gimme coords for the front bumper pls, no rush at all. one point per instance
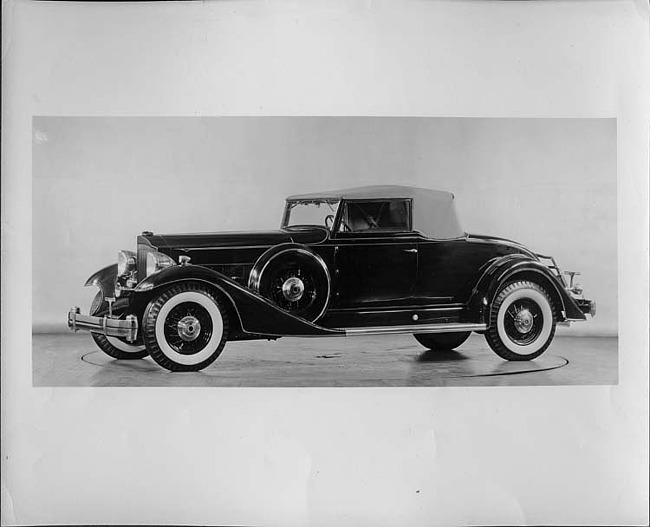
(126, 328)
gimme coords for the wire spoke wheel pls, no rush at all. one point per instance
(293, 289)
(185, 328)
(297, 281)
(188, 328)
(522, 321)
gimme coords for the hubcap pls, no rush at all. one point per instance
(293, 288)
(189, 328)
(524, 321)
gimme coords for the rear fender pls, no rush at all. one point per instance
(513, 267)
(256, 314)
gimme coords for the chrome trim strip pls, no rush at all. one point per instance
(425, 328)
(407, 309)
(221, 247)
(340, 242)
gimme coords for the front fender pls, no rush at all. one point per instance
(510, 267)
(256, 314)
(104, 279)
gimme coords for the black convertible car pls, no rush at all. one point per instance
(369, 260)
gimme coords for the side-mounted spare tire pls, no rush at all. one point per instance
(294, 278)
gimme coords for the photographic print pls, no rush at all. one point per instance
(325, 263)
(324, 251)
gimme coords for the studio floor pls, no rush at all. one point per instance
(73, 360)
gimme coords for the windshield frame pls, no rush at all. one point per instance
(291, 204)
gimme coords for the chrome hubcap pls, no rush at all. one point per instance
(189, 328)
(524, 321)
(293, 288)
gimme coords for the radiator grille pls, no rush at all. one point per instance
(141, 267)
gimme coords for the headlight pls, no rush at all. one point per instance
(125, 262)
(157, 261)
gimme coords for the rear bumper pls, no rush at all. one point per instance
(126, 328)
(588, 307)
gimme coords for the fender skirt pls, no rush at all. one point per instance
(256, 314)
(510, 267)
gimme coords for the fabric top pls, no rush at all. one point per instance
(434, 213)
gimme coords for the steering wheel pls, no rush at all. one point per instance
(329, 221)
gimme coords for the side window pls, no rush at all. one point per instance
(376, 216)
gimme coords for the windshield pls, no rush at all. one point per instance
(310, 212)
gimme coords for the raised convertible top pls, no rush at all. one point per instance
(434, 213)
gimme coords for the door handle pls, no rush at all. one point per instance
(410, 250)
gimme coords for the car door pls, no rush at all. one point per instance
(376, 254)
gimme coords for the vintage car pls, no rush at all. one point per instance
(361, 261)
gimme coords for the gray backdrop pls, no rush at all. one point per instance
(98, 182)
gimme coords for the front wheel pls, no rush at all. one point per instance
(114, 347)
(118, 348)
(185, 328)
(522, 321)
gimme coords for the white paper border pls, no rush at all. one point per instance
(291, 456)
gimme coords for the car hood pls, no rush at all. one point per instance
(236, 239)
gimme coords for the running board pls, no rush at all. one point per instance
(425, 328)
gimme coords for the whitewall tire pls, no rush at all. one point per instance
(522, 321)
(185, 328)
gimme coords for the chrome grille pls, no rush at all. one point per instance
(141, 265)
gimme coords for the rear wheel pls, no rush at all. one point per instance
(185, 328)
(522, 321)
(442, 341)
